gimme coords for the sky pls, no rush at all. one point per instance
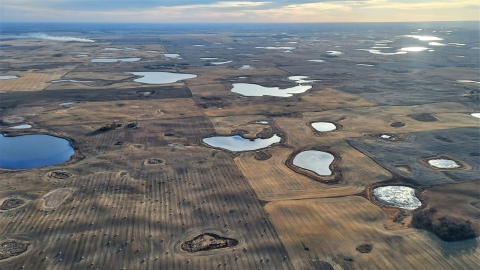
(225, 11)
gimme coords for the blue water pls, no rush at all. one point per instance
(33, 151)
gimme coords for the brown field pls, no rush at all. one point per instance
(332, 228)
(32, 80)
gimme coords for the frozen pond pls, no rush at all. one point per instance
(244, 67)
(276, 48)
(65, 104)
(237, 143)
(365, 65)
(262, 122)
(74, 81)
(171, 55)
(220, 63)
(374, 51)
(397, 196)
(8, 77)
(434, 43)
(255, 90)
(316, 60)
(33, 151)
(161, 77)
(413, 49)
(443, 163)
(324, 126)
(475, 115)
(425, 38)
(24, 126)
(114, 60)
(334, 53)
(208, 58)
(316, 161)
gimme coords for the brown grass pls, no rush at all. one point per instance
(333, 228)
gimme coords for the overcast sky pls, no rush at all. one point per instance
(168, 11)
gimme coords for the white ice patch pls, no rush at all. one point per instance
(397, 196)
(443, 163)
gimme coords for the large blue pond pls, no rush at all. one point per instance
(33, 151)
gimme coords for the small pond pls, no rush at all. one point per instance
(255, 90)
(161, 77)
(397, 196)
(171, 55)
(324, 126)
(33, 151)
(8, 77)
(443, 163)
(23, 126)
(114, 60)
(316, 161)
(237, 143)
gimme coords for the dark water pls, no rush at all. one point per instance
(33, 151)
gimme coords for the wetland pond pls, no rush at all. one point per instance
(443, 163)
(315, 161)
(33, 151)
(114, 60)
(237, 143)
(324, 126)
(161, 77)
(397, 196)
(7, 77)
(23, 126)
(255, 90)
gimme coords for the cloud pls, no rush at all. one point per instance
(211, 11)
(442, 4)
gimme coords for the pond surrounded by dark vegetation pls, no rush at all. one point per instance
(33, 151)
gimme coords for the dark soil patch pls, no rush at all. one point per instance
(364, 248)
(208, 241)
(443, 139)
(240, 132)
(155, 161)
(397, 124)
(11, 203)
(12, 248)
(60, 174)
(262, 155)
(446, 228)
(423, 117)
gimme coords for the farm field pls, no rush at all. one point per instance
(143, 190)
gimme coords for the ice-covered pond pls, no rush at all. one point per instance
(443, 163)
(7, 77)
(316, 161)
(256, 90)
(114, 60)
(324, 126)
(161, 77)
(397, 196)
(238, 143)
